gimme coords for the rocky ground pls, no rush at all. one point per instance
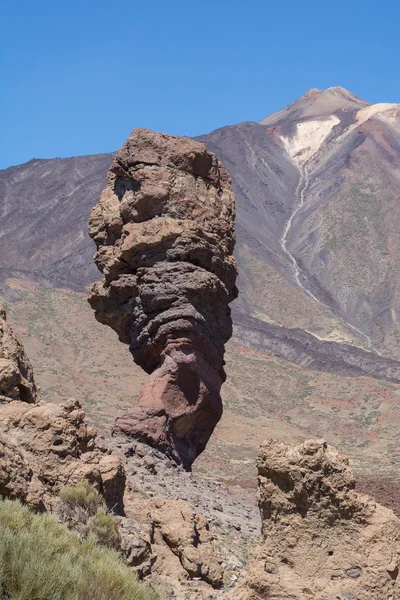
(188, 537)
(195, 539)
(231, 513)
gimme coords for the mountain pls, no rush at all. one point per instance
(45, 206)
(317, 191)
(317, 201)
(316, 187)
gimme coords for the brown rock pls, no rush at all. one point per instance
(14, 472)
(136, 546)
(46, 446)
(320, 539)
(164, 230)
(16, 374)
(181, 542)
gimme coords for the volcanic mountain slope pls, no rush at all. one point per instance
(44, 211)
(315, 255)
(317, 183)
(316, 186)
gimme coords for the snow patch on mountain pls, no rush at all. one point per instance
(309, 137)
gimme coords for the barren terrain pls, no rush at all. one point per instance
(317, 193)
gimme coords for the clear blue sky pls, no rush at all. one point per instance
(77, 76)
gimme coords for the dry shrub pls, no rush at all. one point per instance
(83, 509)
(40, 559)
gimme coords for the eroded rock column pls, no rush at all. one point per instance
(164, 231)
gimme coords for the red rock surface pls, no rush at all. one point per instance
(164, 230)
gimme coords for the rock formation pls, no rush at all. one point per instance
(320, 539)
(164, 231)
(16, 374)
(46, 446)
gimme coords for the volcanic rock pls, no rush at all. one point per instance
(46, 446)
(320, 539)
(16, 374)
(164, 231)
(173, 533)
(181, 545)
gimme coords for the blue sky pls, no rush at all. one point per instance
(77, 76)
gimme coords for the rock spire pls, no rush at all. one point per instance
(164, 231)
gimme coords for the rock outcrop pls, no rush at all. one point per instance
(46, 446)
(16, 374)
(164, 231)
(189, 537)
(320, 539)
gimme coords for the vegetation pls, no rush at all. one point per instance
(83, 509)
(82, 495)
(40, 559)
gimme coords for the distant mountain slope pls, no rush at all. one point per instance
(44, 209)
(318, 213)
(331, 224)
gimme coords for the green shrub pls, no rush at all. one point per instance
(82, 496)
(105, 529)
(40, 559)
(83, 509)
(77, 505)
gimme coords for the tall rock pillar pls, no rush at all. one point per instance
(164, 231)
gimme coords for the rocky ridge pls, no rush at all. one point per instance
(164, 230)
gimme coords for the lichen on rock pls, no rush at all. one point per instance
(164, 231)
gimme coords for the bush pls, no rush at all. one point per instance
(83, 509)
(104, 528)
(82, 496)
(40, 559)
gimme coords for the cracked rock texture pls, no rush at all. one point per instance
(164, 231)
(16, 374)
(320, 539)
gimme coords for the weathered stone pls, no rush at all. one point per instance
(181, 539)
(320, 539)
(16, 374)
(164, 230)
(136, 546)
(46, 446)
